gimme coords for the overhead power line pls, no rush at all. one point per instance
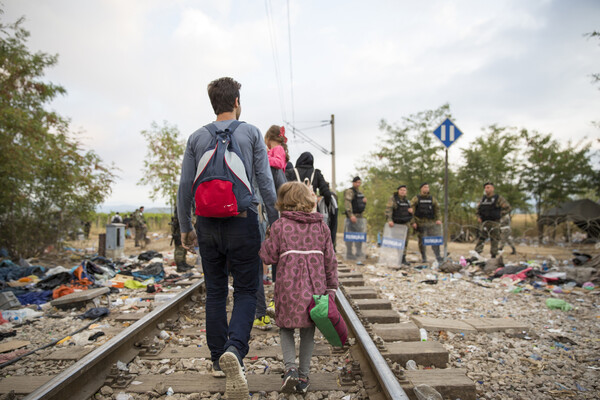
(307, 139)
(273, 40)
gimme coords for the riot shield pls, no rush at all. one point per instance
(392, 245)
(355, 232)
(432, 235)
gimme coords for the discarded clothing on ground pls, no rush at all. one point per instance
(93, 313)
(35, 297)
(154, 270)
(149, 255)
(10, 271)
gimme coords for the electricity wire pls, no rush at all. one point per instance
(291, 69)
(273, 40)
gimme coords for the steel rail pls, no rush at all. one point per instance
(386, 377)
(82, 379)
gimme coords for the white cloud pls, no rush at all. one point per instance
(126, 64)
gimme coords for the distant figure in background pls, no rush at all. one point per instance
(398, 211)
(426, 220)
(128, 221)
(180, 252)
(355, 203)
(140, 228)
(506, 234)
(86, 229)
(279, 159)
(490, 210)
(305, 170)
(277, 153)
(117, 219)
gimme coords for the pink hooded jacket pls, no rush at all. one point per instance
(300, 244)
(277, 157)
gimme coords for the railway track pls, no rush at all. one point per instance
(164, 351)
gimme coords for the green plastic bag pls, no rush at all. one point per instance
(560, 304)
(328, 319)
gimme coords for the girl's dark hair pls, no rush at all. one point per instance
(222, 93)
(275, 134)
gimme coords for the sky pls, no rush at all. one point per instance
(126, 64)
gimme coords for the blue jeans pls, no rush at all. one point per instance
(229, 245)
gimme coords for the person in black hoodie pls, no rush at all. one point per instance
(305, 169)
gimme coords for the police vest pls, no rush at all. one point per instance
(358, 205)
(424, 207)
(489, 209)
(400, 215)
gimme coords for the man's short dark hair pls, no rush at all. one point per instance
(222, 93)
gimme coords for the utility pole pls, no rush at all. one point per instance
(333, 152)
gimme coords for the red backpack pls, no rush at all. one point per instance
(222, 185)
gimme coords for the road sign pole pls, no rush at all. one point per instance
(446, 208)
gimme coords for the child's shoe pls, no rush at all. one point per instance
(302, 386)
(290, 380)
(263, 323)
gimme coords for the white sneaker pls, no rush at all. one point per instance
(236, 387)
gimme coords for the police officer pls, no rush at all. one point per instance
(426, 217)
(140, 228)
(398, 211)
(355, 203)
(490, 210)
(180, 251)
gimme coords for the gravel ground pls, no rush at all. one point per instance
(559, 357)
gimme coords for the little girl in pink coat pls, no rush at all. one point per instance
(300, 243)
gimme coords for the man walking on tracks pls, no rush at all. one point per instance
(228, 244)
(426, 220)
(398, 211)
(355, 203)
(490, 211)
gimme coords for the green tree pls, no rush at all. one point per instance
(50, 185)
(162, 165)
(409, 154)
(554, 174)
(494, 157)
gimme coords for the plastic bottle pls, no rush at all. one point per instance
(20, 315)
(544, 266)
(423, 333)
(411, 365)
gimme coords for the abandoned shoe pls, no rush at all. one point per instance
(236, 386)
(302, 386)
(290, 380)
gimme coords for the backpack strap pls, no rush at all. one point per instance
(212, 128)
(312, 177)
(297, 175)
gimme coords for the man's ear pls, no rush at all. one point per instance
(237, 102)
